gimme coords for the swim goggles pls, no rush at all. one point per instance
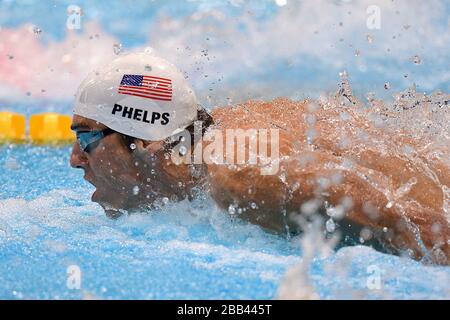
(89, 139)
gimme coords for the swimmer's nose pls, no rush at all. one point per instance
(78, 158)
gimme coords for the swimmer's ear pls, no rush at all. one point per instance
(147, 148)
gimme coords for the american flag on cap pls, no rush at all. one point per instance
(149, 87)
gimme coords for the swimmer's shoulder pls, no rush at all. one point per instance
(281, 112)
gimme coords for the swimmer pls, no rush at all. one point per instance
(137, 117)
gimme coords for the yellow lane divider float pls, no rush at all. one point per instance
(45, 128)
(51, 128)
(12, 127)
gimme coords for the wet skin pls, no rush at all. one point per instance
(413, 220)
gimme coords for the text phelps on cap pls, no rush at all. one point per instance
(140, 115)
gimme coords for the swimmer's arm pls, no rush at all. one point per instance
(403, 225)
(248, 195)
(370, 208)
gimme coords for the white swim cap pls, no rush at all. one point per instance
(139, 95)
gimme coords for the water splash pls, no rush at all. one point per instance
(297, 283)
(345, 89)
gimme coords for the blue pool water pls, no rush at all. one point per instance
(184, 250)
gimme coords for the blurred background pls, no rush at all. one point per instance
(230, 50)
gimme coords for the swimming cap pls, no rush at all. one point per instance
(140, 95)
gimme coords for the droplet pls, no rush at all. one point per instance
(37, 30)
(366, 234)
(132, 146)
(357, 53)
(135, 190)
(231, 209)
(311, 119)
(385, 229)
(436, 228)
(369, 38)
(117, 47)
(387, 85)
(183, 150)
(416, 59)
(310, 135)
(337, 212)
(253, 205)
(165, 200)
(295, 186)
(370, 96)
(330, 225)
(148, 67)
(281, 3)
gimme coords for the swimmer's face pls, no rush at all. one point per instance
(109, 165)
